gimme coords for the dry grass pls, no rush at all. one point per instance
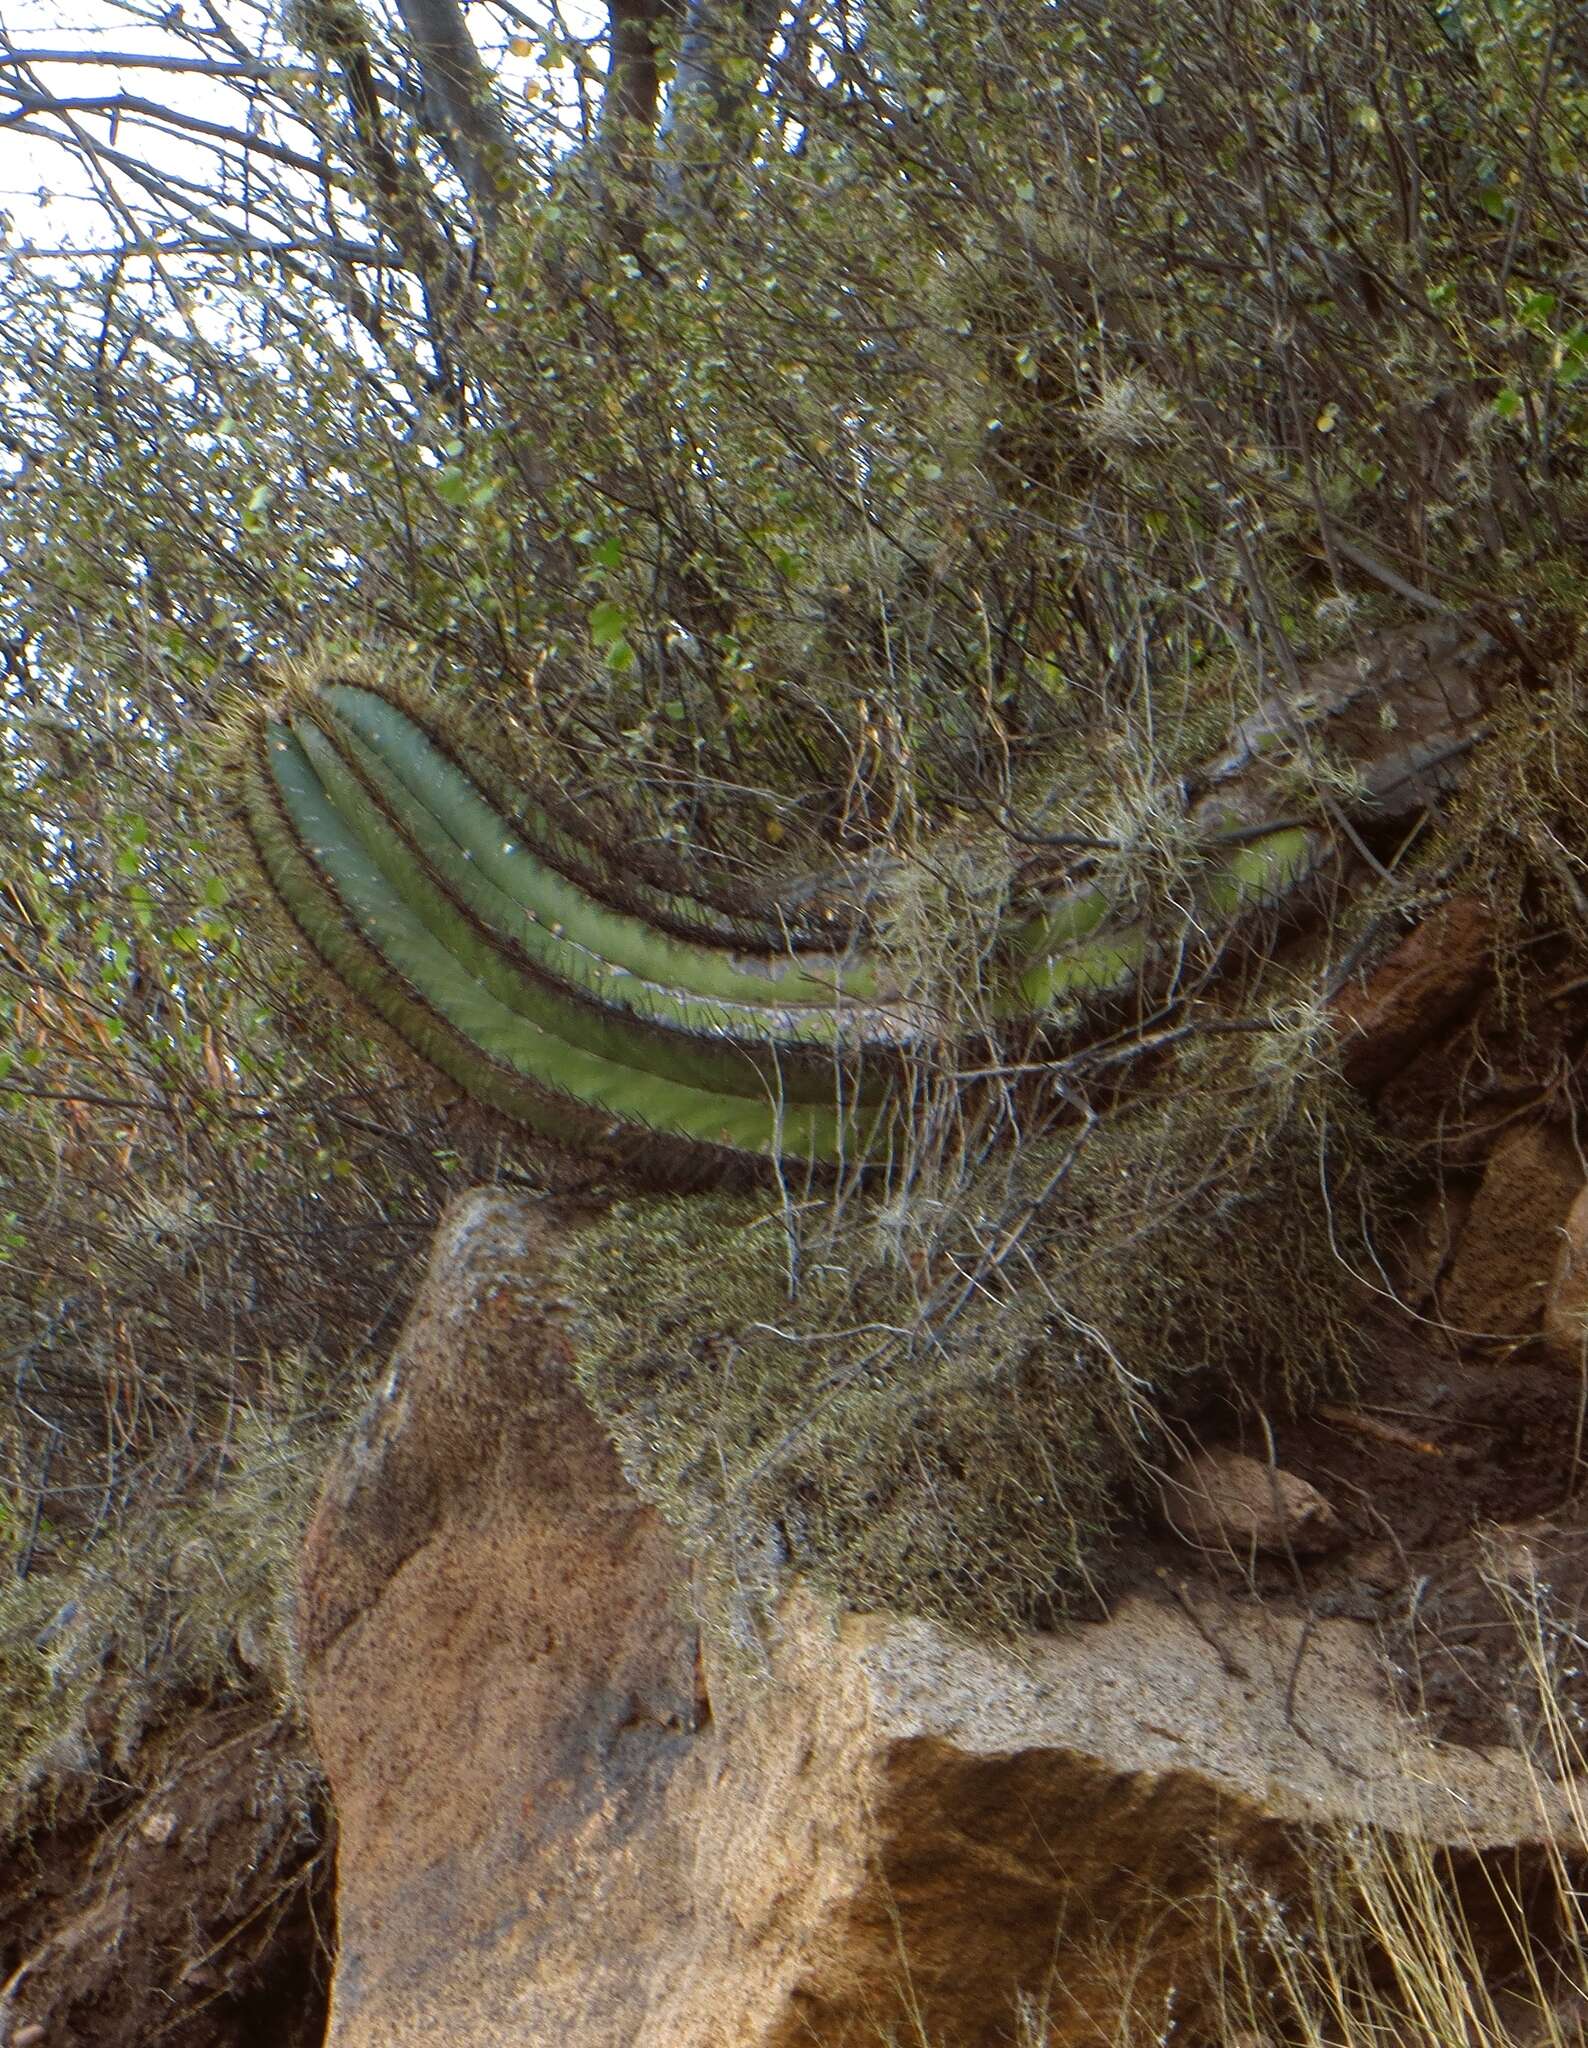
(183, 1595)
(1392, 1940)
(1380, 1942)
(1518, 833)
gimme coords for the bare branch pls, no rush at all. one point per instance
(131, 60)
(132, 107)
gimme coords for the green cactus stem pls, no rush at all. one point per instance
(610, 1008)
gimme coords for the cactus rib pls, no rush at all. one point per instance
(563, 990)
(380, 947)
(620, 1013)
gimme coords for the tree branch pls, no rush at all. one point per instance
(633, 94)
(129, 60)
(469, 120)
(703, 105)
(156, 114)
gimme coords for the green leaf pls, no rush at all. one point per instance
(1571, 355)
(608, 623)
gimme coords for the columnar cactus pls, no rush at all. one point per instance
(683, 1034)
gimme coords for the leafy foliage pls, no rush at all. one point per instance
(820, 443)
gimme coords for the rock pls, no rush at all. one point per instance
(501, 1675)
(1566, 1303)
(552, 1832)
(1506, 1255)
(1221, 1501)
(1429, 978)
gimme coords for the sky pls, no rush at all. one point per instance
(48, 196)
(43, 189)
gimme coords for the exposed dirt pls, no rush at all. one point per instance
(1456, 1473)
(1436, 1441)
(1456, 1465)
(188, 1905)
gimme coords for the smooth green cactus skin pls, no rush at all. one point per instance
(543, 897)
(536, 997)
(616, 1016)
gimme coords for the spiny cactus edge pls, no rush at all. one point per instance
(686, 1037)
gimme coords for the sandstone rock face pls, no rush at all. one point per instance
(1223, 1502)
(1507, 1252)
(555, 1829)
(1432, 975)
(1566, 1304)
(501, 1674)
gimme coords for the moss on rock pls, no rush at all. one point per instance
(945, 1406)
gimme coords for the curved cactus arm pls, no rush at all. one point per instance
(524, 924)
(551, 1004)
(646, 881)
(378, 944)
(1070, 952)
(546, 895)
(678, 1040)
(618, 1016)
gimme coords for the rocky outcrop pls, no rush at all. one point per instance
(1508, 1250)
(1222, 1502)
(559, 1824)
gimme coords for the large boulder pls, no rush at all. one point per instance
(559, 1825)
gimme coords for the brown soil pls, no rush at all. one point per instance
(1457, 1463)
(188, 1904)
(1455, 1473)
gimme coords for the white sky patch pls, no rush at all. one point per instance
(134, 80)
